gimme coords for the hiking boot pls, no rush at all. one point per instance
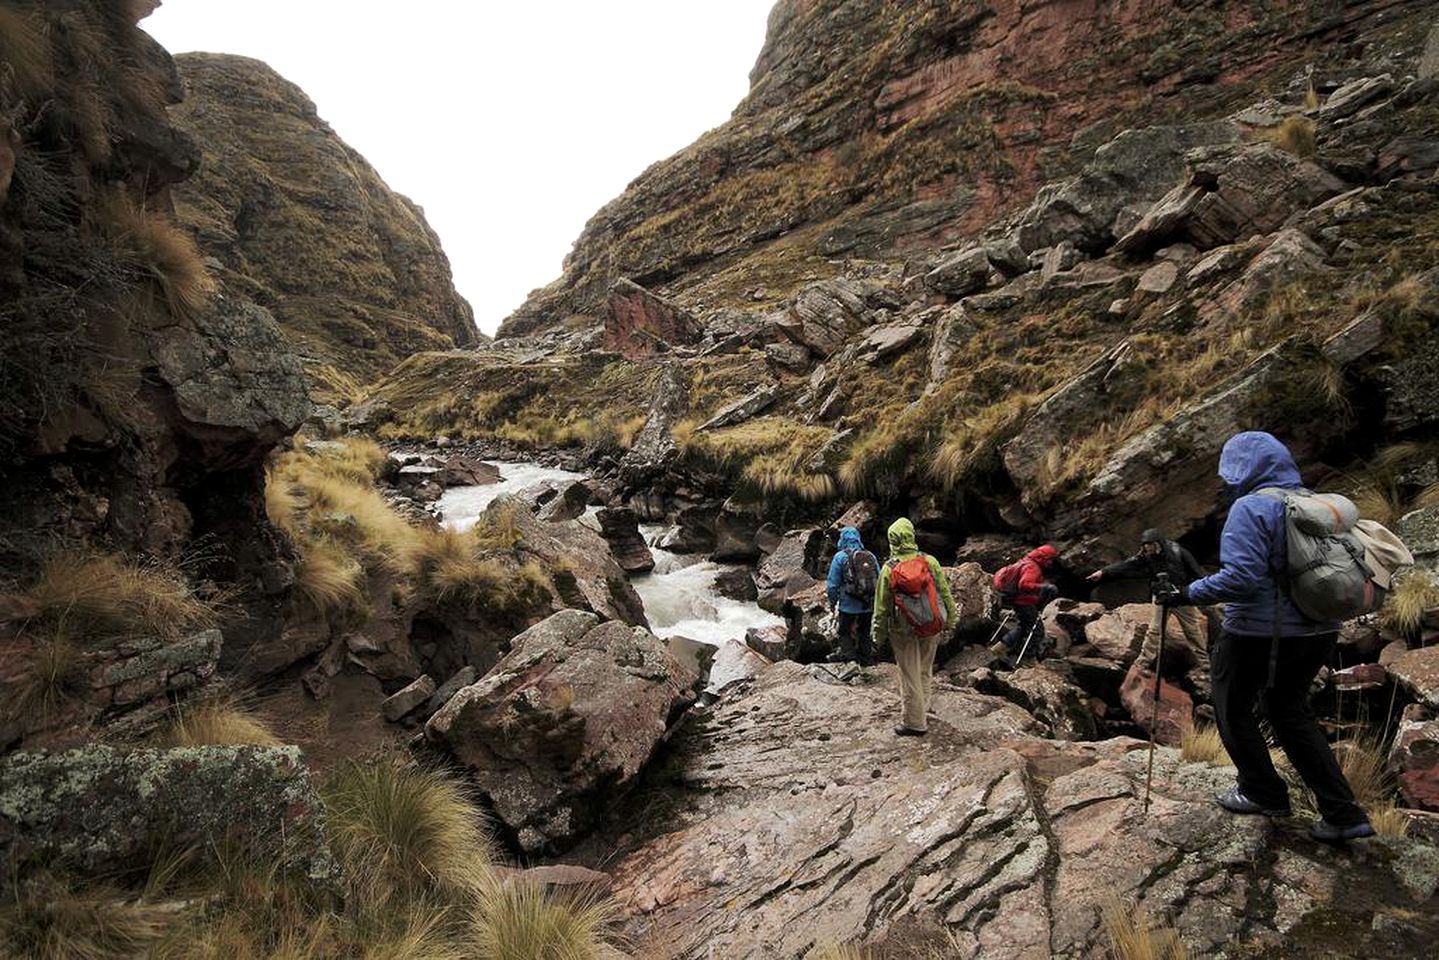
(1327, 832)
(1236, 802)
(998, 649)
(903, 731)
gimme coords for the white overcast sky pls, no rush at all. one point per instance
(510, 123)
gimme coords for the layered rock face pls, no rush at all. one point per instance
(304, 226)
(139, 398)
(877, 129)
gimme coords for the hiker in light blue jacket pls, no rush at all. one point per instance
(851, 591)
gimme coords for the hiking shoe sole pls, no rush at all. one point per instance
(1236, 802)
(903, 731)
(1326, 832)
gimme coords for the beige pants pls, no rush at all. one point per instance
(915, 658)
(1191, 626)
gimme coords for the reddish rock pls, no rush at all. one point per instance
(1361, 676)
(1176, 709)
(1119, 634)
(640, 324)
(1415, 757)
(1418, 673)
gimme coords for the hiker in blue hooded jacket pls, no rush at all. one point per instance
(847, 594)
(1253, 560)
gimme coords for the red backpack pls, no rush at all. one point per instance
(1006, 582)
(911, 583)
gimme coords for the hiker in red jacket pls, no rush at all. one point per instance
(1029, 593)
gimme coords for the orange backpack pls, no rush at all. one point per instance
(911, 583)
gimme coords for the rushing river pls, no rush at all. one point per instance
(679, 595)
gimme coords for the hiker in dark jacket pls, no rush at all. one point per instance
(1034, 593)
(1258, 616)
(1157, 555)
(856, 612)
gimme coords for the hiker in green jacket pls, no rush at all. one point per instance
(913, 612)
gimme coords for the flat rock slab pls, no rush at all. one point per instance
(98, 808)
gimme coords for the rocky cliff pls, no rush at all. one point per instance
(301, 224)
(140, 396)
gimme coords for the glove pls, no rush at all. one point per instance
(1172, 597)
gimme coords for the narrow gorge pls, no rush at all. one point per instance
(331, 626)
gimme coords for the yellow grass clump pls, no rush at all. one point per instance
(1295, 134)
(407, 833)
(51, 920)
(221, 724)
(53, 675)
(1412, 597)
(1133, 937)
(1365, 765)
(94, 597)
(841, 952)
(1203, 745)
(517, 921)
(161, 248)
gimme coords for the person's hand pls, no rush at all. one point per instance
(1096, 576)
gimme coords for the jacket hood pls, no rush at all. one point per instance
(901, 537)
(1152, 535)
(1044, 556)
(849, 539)
(1253, 460)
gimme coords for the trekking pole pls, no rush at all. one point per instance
(1154, 713)
(1002, 624)
(1038, 625)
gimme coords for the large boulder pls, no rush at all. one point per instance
(743, 409)
(563, 724)
(100, 810)
(640, 323)
(1168, 716)
(791, 568)
(825, 314)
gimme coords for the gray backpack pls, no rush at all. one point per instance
(1339, 566)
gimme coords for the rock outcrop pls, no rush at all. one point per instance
(562, 724)
(801, 822)
(257, 798)
(304, 226)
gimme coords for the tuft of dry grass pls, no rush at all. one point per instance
(219, 723)
(53, 676)
(974, 441)
(50, 920)
(839, 952)
(1405, 606)
(404, 833)
(1133, 937)
(517, 921)
(1203, 745)
(1296, 135)
(160, 247)
(94, 597)
(331, 579)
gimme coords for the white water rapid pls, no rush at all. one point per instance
(679, 595)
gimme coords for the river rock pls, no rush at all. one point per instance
(790, 569)
(736, 583)
(813, 630)
(734, 531)
(568, 503)
(772, 642)
(733, 662)
(258, 798)
(621, 530)
(1175, 712)
(695, 656)
(563, 724)
(1415, 759)
(459, 471)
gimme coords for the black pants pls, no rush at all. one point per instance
(854, 637)
(1027, 616)
(1240, 668)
